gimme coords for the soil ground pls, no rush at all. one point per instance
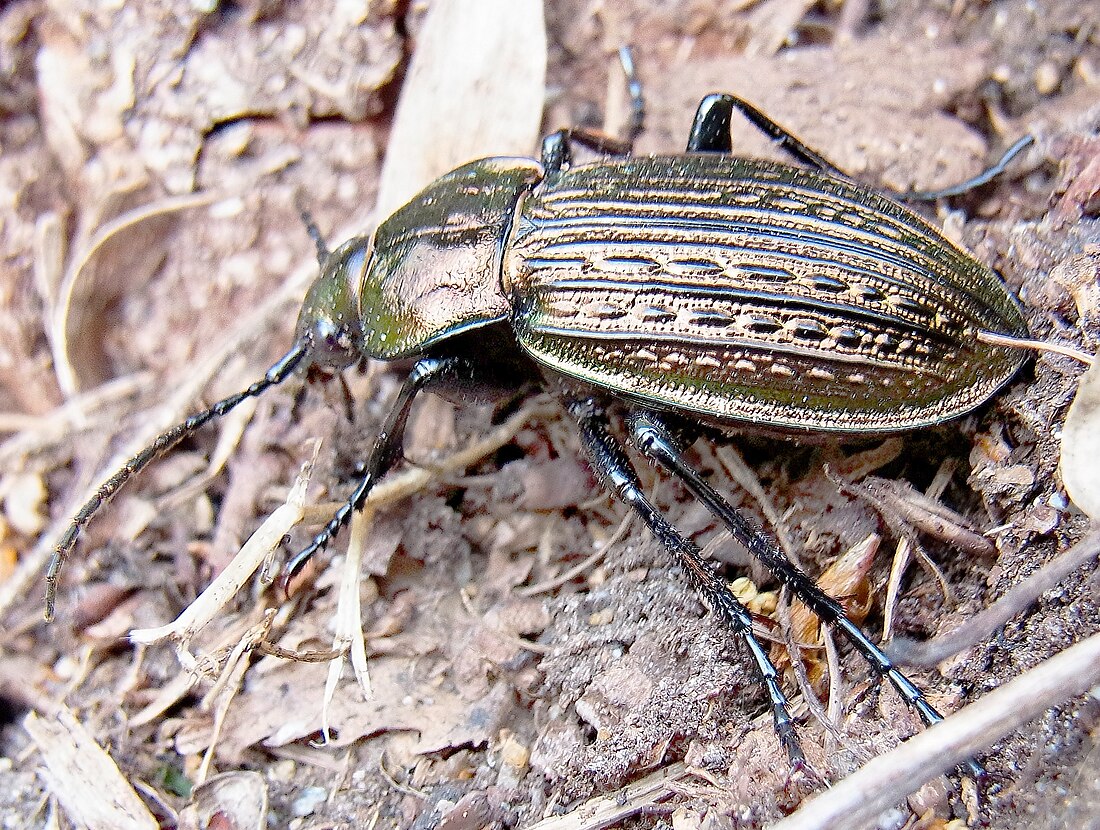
(154, 157)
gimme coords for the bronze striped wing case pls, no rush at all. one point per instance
(753, 292)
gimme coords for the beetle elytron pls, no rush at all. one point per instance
(743, 293)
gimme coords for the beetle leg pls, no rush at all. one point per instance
(346, 398)
(386, 453)
(615, 470)
(557, 152)
(710, 132)
(651, 437)
(959, 188)
(634, 89)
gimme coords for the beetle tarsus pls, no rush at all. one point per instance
(959, 188)
(617, 473)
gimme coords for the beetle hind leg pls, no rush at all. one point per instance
(976, 181)
(614, 468)
(652, 439)
(710, 132)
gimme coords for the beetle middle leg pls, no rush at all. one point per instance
(557, 152)
(652, 438)
(710, 131)
(614, 468)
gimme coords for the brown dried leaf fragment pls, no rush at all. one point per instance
(1081, 446)
(84, 778)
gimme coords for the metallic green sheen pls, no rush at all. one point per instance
(329, 319)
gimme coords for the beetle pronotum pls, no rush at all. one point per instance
(700, 286)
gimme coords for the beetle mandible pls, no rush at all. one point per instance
(680, 288)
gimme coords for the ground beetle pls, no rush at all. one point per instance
(684, 288)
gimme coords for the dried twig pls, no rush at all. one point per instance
(206, 606)
(581, 567)
(1016, 599)
(605, 810)
(886, 780)
(905, 546)
(84, 778)
(348, 635)
(228, 685)
(413, 479)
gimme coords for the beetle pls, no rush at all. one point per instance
(699, 287)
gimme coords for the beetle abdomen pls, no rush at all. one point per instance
(748, 291)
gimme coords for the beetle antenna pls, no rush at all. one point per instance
(315, 234)
(161, 445)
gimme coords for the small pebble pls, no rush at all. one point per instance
(1047, 78)
(603, 617)
(514, 754)
(284, 770)
(310, 799)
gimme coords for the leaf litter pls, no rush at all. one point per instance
(449, 668)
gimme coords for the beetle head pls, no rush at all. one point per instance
(329, 323)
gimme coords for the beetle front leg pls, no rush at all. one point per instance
(617, 474)
(386, 453)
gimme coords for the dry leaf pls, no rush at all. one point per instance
(24, 496)
(84, 778)
(240, 798)
(285, 705)
(845, 581)
(476, 88)
(1081, 446)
